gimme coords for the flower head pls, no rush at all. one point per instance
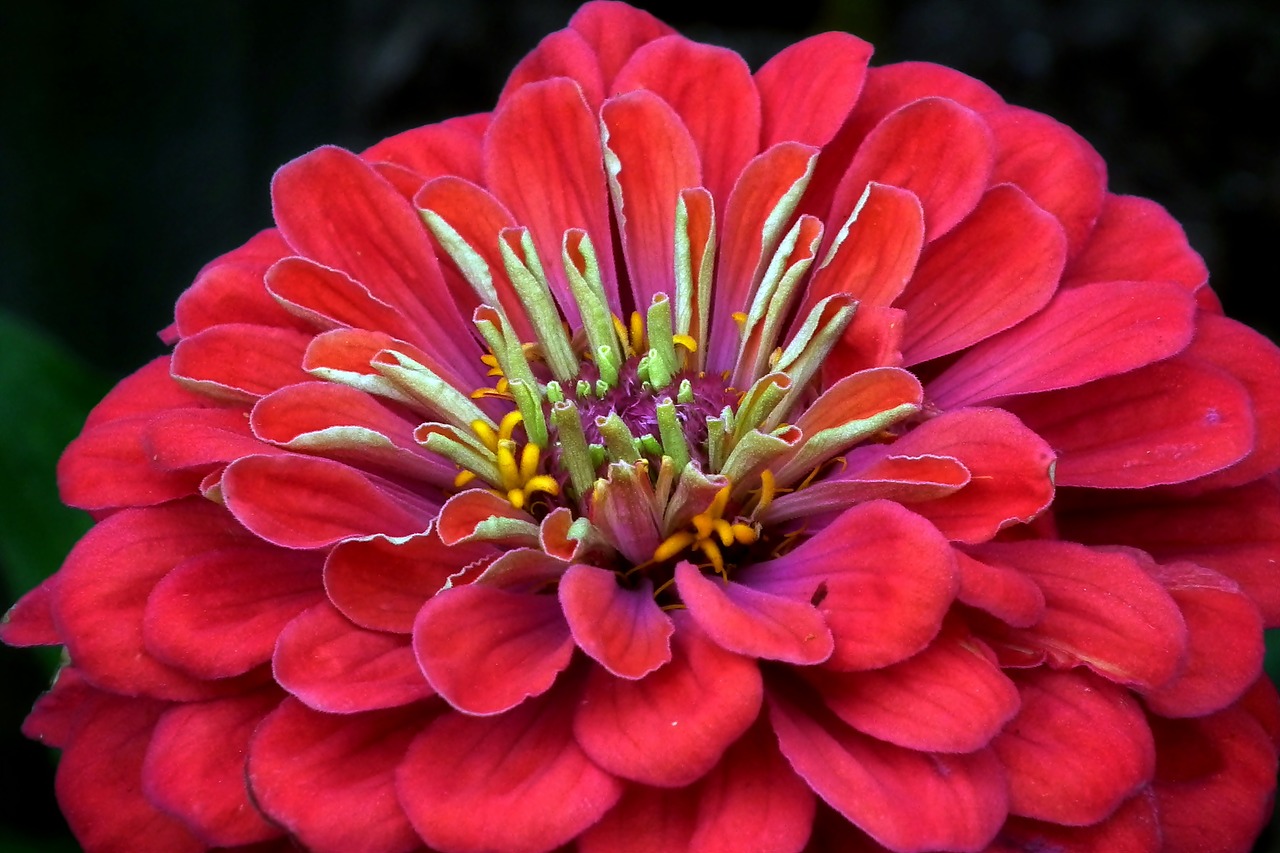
(682, 458)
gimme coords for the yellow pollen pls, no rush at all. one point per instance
(685, 341)
(740, 317)
(711, 530)
(518, 473)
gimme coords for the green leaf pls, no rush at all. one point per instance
(47, 393)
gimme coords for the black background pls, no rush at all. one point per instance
(138, 138)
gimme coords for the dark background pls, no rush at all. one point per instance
(138, 138)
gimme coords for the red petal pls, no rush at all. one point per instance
(808, 89)
(104, 585)
(1102, 610)
(906, 800)
(622, 629)
(992, 271)
(934, 147)
(199, 438)
(1132, 828)
(334, 209)
(951, 697)
(1085, 333)
(450, 147)
(486, 650)
(57, 712)
(1009, 595)
(1009, 466)
(194, 768)
(381, 583)
(330, 779)
(749, 238)
(29, 622)
(240, 362)
(327, 299)
(1215, 781)
(1235, 532)
(515, 783)
(99, 785)
(310, 502)
(230, 289)
(615, 31)
(750, 802)
(543, 159)
(336, 667)
(109, 465)
(754, 623)
(564, 53)
(1224, 648)
(1078, 748)
(672, 726)
(1052, 164)
(464, 517)
(1254, 361)
(1164, 423)
(655, 159)
(875, 256)
(247, 592)
(712, 91)
(1136, 239)
(148, 390)
(882, 577)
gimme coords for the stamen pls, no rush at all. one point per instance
(711, 531)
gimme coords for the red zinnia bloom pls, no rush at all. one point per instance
(680, 458)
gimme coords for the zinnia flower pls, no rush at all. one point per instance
(681, 458)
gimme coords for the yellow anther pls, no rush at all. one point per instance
(508, 471)
(463, 478)
(485, 433)
(768, 488)
(744, 534)
(620, 329)
(685, 341)
(712, 550)
(507, 427)
(740, 317)
(541, 483)
(711, 530)
(673, 544)
(637, 333)
(529, 458)
(516, 498)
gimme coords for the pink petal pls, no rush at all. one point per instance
(1224, 657)
(1078, 748)
(1254, 362)
(881, 576)
(329, 779)
(249, 592)
(808, 88)
(622, 629)
(1052, 164)
(310, 502)
(749, 238)
(936, 148)
(992, 271)
(1006, 594)
(240, 362)
(1132, 828)
(750, 802)
(1223, 765)
(336, 210)
(104, 584)
(98, 781)
(516, 783)
(564, 53)
(672, 726)
(230, 290)
(381, 582)
(951, 697)
(1164, 423)
(1136, 239)
(655, 160)
(1084, 334)
(543, 159)
(1009, 465)
(877, 256)
(1102, 610)
(194, 768)
(615, 31)
(327, 299)
(711, 90)
(753, 623)
(449, 147)
(1235, 532)
(487, 650)
(904, 799)
(336, 667)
